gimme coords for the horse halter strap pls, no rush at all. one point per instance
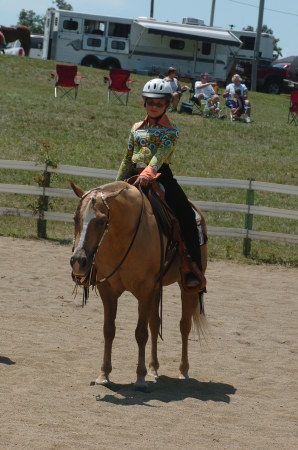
(107, 223)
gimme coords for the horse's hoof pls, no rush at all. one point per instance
(153, 373)
(102, 380)
(183, 376)
(141, 386)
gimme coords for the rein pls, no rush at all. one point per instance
(86, 279)
(130, 245)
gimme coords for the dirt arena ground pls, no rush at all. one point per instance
(242, 393)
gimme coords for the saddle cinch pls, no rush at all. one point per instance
(168, 224)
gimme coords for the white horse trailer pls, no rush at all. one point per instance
(143, 45)
(248, 38)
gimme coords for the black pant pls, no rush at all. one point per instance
(178, 202)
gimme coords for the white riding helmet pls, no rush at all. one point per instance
(157, 88)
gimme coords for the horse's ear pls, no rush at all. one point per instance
(114, 193)
(77, 190)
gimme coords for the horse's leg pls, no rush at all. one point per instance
(110, 303)
(154, 324)
(189, 307)
(141, 334)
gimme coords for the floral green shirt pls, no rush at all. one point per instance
(149, 145)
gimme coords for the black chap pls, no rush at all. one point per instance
(178, 202)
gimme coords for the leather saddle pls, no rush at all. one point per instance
(169, 226)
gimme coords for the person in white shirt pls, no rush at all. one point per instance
(177, 89)
(204, 88)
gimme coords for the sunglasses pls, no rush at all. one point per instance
(156, 104)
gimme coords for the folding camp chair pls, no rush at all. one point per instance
(293, 108)
(118, 85)
(199, 106)
(66, 81)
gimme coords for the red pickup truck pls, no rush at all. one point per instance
(269, 77)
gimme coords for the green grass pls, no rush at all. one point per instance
(86, 133)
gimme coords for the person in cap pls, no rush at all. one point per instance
(151, 146)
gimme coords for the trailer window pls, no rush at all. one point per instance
(118, 45)
(71, 25)
(36, 42)
(177, 44)
(248, 42)
(94, 27)
(91, 42)
(206, 48)
(119, 30)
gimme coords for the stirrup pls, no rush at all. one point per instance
(196, 278)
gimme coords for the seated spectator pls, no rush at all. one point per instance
(231, 100)
(176, 88)
(238, 110)
(214, 106)
(204, 88)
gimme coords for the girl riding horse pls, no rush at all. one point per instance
(151, 145)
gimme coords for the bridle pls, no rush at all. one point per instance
(85, 280)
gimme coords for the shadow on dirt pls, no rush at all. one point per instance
(6, 360)
(166, 390)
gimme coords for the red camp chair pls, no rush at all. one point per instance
(293, 109)
(118, 85)
(66, 81)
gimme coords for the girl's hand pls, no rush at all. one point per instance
(142, 181)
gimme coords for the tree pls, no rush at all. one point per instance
(33, 21)
(277, 51)
(61, 4)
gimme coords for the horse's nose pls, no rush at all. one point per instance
(81, 260)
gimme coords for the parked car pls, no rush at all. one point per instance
(15, 48)
(290, 64)
(269, 76)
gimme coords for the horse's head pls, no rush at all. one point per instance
(90, 222)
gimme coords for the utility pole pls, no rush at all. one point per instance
(212, 13)
(152, 9)
(257, 47)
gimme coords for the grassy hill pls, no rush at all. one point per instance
(87, 133)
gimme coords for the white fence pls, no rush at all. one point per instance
(248, 209)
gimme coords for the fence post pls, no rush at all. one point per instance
(43, 203)
(250, 197)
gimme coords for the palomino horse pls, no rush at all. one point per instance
(20, 32)
(116, 230)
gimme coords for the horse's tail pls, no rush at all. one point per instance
(200, 323)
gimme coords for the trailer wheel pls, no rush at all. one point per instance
(91, 61)
(111, 63)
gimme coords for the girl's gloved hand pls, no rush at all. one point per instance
(142, 181)
(145, 177)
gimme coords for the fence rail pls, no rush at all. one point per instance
(249, 209)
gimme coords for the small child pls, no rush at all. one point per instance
(239, 109)
(214, 106)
